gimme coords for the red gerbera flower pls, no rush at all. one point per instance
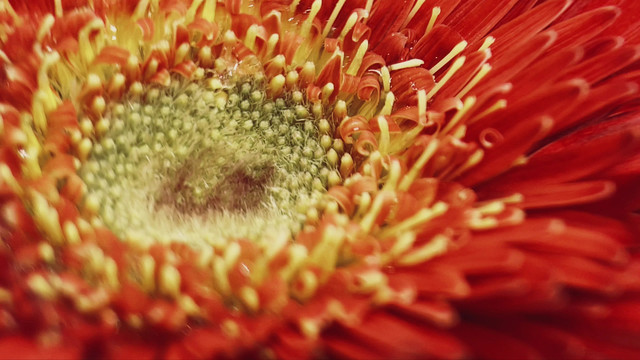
(319, 179)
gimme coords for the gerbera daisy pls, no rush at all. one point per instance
(319, 179)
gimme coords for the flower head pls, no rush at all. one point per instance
(313, 179)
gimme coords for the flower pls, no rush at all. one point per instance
(319, 179)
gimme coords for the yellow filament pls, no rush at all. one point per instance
(351, 22)
(367, 221)
(445, 60)
(435, 12)
(421, 217)
(45, 27)
(487, 43)
(422, 106)
(468, 104)
(383, 145)
(333, 17)
(84, 43)
(294, 5)
(498, 105)
(406, 64)
(386, 78)
(395, 171)
(452, 70)
(250, 39)
(140, 10)
(472, 161)
(414, 11)
(58, 8)
(357, 59)
(209, 10)
(435, 247)
(388, 104)
(484, 70)
(306, 25)
(409, 178)
(271, 44)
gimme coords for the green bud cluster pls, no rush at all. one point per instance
(207, 160)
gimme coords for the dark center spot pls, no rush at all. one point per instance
(237, 188)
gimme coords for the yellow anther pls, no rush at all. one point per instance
(170, 280)
(437, 246)
(414, 11)
(435, 12)
(414, 172)
(406, 64)
(357, 59)
(452, 70)
(445, 60)
(484, 70)
(388, 104)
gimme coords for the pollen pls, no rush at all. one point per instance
(208, 161)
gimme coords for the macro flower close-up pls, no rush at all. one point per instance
(320, 179)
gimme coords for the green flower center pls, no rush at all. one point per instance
(208, 160)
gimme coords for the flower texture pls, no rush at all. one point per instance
(362, 179)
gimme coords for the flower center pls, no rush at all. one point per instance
(209, 160)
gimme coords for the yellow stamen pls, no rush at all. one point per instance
(84, 42)
(357, 59)
(271, 44)
(445, 60)
(388, 104)
(231, 255)
(209, 10)
(111, 273)
(58, 8)
(45, 27)
(483, 223)
(472, 161)
(487, 43)
(47, 218)
(306, 25)
(484, 70)
(409, 178)
(386, 78)
(406, 64)
(492, 208)
(46, 252)
(309, 283)
(297, 256)
(435, 247)
(140, 10)
(351, 22)
(220, 276)
(395, 171)
(170, 280)
(250, 298)
(367, 222)
(468, 104)
(294, 5)
(325, 254)
(333, 17)
(384, 137)
(435, 12)
(422, 106)
(414, 11)
(498, 105)
(252, 34)
(421, 217)
(41, 287)
(403, 243)
(370, 281)
(452, 70)
(7, 177)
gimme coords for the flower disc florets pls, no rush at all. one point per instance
(208, 160)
